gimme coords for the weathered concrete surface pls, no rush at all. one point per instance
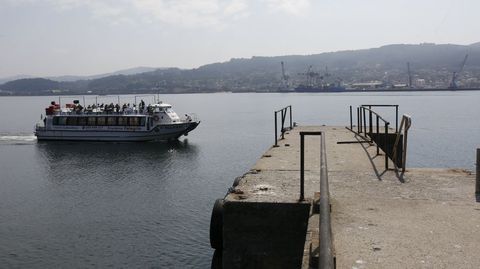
(429, 221)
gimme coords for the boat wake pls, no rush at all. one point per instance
(8, 138)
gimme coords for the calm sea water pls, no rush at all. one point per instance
(148, 205)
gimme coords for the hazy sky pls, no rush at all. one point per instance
(84, 37)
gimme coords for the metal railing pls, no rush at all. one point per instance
(394, 145)
(404, 126)
(477, 177)
(189, 117)
(373, 130)
(396, 112)
(283, 112)
(326, 257)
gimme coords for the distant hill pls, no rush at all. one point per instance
(430, 63)
(31, 86)
(130, 71)
(7, 79)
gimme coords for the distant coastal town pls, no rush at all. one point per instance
(391, 67)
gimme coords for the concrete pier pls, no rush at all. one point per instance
(425, 219)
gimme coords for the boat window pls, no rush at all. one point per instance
(92, 121)
(142, 121)
(101, 121)
(111, 121)
(122, 121)
(62, 120)
(133, 121)
(72, 121)
(82, 121)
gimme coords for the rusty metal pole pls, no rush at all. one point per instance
(358, 120)
(365, 122)
(370, 123)
(477, 181)
(302, 166)
(276, 145)
(378, 136)
(396, 118)
(291, 124)
(351, 123)
(386, 146)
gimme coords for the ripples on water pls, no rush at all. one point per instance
(148, 205)
(102, 205)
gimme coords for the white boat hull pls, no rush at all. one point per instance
(160, 132)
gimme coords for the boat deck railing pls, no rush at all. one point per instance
(190, 117)
(101, 112)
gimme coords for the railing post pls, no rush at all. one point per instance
(276, 145)
(378, 136)
(302, 166)
(362, 111)
(351, 123)
(370, 121)
(291, 124)
(396, 118)
(283, 112)
(477, 181)
(358, 119)
(386, 145)
(364, 122)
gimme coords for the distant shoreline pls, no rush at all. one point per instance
(253, 91)
(393, 90)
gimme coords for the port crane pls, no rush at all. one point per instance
(409, 75)
(311, 76)
(284, 76)
(453, 82)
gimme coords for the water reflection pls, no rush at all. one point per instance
(114, 199)
(114, 161)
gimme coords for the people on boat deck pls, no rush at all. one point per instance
(111, 108)
(78, 108)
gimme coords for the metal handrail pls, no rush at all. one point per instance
(405, 123)
(396, 112)
(283, 112)
(326, 256)
(362, 126)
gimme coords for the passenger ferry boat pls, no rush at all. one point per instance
(113, 123)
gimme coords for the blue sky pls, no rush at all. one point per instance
(84, 37)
